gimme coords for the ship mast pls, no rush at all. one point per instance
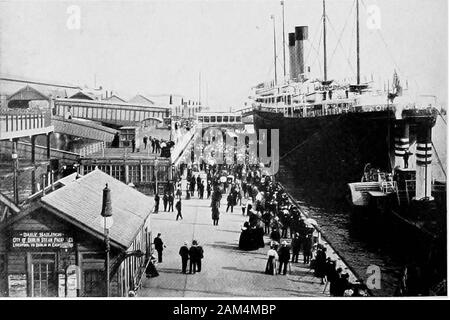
(274, 48)
(284, 44)
(324, 44)
(357, 44)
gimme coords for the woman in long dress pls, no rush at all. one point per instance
(244, 239)
(271, 261)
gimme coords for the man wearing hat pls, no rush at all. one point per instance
(296, 244)
(159, 246)
(184, 253)
(284, 256)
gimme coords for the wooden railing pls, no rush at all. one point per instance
(15, 121)
(90, 149)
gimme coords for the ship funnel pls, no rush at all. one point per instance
(301, 34)
(292, 59)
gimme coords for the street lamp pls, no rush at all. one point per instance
(156, 176)
(15, 159)
(107, 222)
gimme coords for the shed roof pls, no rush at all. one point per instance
(80, 201)
(28, 93)
(84, 95)
(115, 98)
(139, 98)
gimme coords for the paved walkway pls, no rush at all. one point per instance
(226, 271)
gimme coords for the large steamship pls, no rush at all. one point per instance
(333, 133)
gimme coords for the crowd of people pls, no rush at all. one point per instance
(155, 145)
(270, 213)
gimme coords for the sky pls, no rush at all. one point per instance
(221, 47)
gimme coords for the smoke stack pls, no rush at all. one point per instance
(292, 60)
(301, 34)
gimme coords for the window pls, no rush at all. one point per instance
(225, 118)
(117, 172)
(206, 119)
(93, 283)
(88, 169)
(219, 118)
(238, 119)
(134, 173)
(163, 173)
(43, 275)
(104, 168)
(200, 118)
(231, 118)
(147, 173)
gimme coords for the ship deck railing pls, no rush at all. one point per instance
(335, 108)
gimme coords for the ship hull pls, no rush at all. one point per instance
(329, 151)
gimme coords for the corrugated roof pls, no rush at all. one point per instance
(139, 98)
(81, 200)
(115, 98)
(85, 95)
(28, 93)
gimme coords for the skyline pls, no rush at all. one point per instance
(162, 46)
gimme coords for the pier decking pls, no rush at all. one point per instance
(226, 270)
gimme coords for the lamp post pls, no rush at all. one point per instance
(156, 176)
(65, 257)
(15, 162)
(107, 222)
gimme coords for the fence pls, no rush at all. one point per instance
(90, 149)
(16, 121)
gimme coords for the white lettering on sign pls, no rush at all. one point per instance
(45, 239)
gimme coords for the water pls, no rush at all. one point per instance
(335, 223)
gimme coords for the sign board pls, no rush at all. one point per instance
(61, 285)
(73, 280)
(17, 285)
(40, 240)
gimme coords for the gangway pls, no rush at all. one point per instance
(83, 129)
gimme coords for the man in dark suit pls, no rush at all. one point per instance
(171, 199)
(296, 244)
(159, 246)
(184, 253)
(165, 201)
(284, 255)
(156, 202)
(178, 207)
(193, 257)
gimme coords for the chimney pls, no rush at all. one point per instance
(292, 60)
(301, 34)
